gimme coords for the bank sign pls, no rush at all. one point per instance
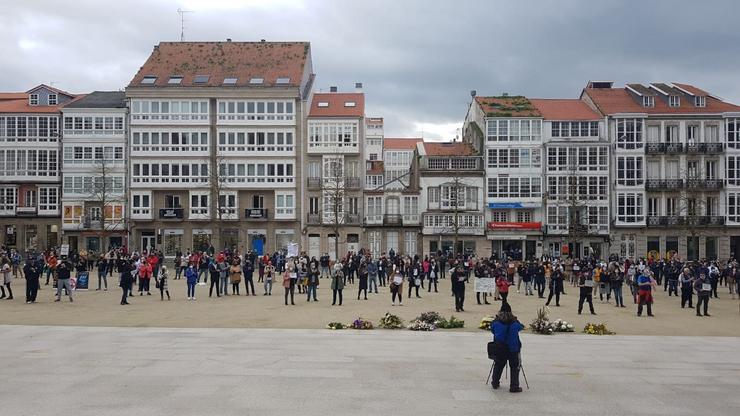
(514, 225)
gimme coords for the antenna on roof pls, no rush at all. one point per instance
(182, 12)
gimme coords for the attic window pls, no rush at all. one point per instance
(350, 104)
(200, 79)
(256, 81)
(33, 99)
(648, 101)
(148, 80)
(282, 80)
(53, 100)
(700, 101)
(674, 101)
(174, 80)
(230, 81)
(323, 104)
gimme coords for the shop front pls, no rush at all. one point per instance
(516, 240)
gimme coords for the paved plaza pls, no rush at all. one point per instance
(150, 371)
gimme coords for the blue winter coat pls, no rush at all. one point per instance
(511, 339)
(191, 275)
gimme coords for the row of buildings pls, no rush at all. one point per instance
(228, 143)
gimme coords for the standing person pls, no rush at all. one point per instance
(646, 285)
(267, 277)
(395, 280)
(235, 277)
(458, 277)
(223, 274)
(103, 272)
(32, 274)
(337, 284)
(586, 286)
(505, 329)
(539, 280)
(312, 284)
(362, 276)
(215, 282)
(248, 270)
(7, 279)
(63, 275)
(161, 281)
(382, 270)
(617, 280)
(687, 287)
(372, 276)
(714, 279)
(556, 286)
(127, 279)
(145, 275)
(433, 275)
(325, 261)
(502, 284)
(414, 278)
(289, 280)
(731, 277)
(191, 278)
(703, 291)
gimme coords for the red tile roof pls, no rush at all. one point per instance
(401, 144)
(618, 100)
(564, 109)
(336, 104)
(219, 60)
(15, 105)
(448, 149)
(691, 89)
(509, 106)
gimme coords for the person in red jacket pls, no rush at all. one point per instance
(145, 275)
(502, 283)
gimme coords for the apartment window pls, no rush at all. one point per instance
(8, 199)
(711, 134)
(575, 129)
(48, 199)
(433, 195)
(227, 204)
(198, 204)
(700, 101)
(671, 206)
(53, 99)
(514, 158)
(33, 99)
(627, 246)
(410, 205)
(629, 133)
(733, 206)
(333, 134)
(692, 133)
(653, 207)
(174, 80)
(514, 130)
(711, 206)
(374, 207)
(374, 242)
(514, 187)
(732, 132)
(353, 206)
(629, 207)
(648, 101)
(410, 243)
(141, 204)
(629, 170)
(524, 216)
(285, 204)
(373, 156)
(313, 205)
(500, 216)
(671, 134)
(674, 101)
(733, 170)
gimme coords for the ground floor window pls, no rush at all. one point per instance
(410, 243)
(31, 232)
(201, 241)
(653, 247)
(172, 243)
(93, 244)
(374, 243)
(10, 235)
(282, 240)
(710, 248)
(391, 238)
(692, 248)
(671, 246)
(627, 245)
(230, 238)
(553, 249)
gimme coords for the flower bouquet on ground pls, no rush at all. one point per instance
(390, 321)
(336, 325)
(360, 323)
(429, 317)
(450, 323)
(541, 324)
(562, 326)
(597, 329)
(418, 325)
(485, 323)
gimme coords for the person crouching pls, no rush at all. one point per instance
(505, 328)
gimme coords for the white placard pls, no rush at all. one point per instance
(485, 284)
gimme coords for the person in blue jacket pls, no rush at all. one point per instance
(191, 276)
(505, 328)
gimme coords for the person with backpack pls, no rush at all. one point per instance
(506, 347)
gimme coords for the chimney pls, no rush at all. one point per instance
(473, 93)
(358, 87)
(262, 40)
(332, 89)
(228, 39)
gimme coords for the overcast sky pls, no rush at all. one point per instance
(418, 60)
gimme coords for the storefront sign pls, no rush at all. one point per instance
(173, 232)
(201, 231)
(514, 225)
(513, 205)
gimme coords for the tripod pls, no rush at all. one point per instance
(521, 367)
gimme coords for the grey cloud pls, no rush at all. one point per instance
(417, 59)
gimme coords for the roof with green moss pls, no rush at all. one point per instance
(508, 106)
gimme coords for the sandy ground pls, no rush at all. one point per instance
(99, 308)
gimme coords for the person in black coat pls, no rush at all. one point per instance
(248, 270)
(32, 274)
(458, 277)
(362, 275)
(127, 279)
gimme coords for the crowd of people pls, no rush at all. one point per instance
(694, 282)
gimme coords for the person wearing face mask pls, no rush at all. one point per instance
(687, 284)
(703, 289)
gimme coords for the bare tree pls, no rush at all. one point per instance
(334, 193)
(457, 189)
(218, 181)
(104, 195)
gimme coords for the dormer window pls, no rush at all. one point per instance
(256, 81)
(200, 79)
(230, 81)
(282, 80)
(648, 101)
(674, 101)
(323, 104)
(148, 80)
(53, 100)
(700, 101)
(174, 80)
(33, 99)
(350, 104)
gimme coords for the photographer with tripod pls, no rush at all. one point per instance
(505, 347)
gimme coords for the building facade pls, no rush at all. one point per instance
(451, 179)
(334, 161)
(673, 169)
(30, 191)
(214, 144)
(94, 171)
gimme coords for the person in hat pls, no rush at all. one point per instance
(505, 329)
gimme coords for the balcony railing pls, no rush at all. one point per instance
(713, 148)
(374, 219)
(709, 184)
(314, 183)
(673, 148)
(255, 213)
(314, 219)
(352, 183)
(411, 219)
(675, 220)
(654, 148)
(676, 148)
(393, 219)
(352, 219)
(663, 184)
(26, 210)
(171, 213)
